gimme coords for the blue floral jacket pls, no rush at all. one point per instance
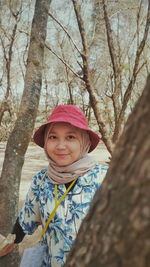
(62, 230)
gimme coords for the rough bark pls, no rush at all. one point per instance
(21, 134)
(116, 231)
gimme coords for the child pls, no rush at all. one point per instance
(67, 140)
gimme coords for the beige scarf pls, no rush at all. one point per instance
(66, 174)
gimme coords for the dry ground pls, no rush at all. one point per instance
(35, 160)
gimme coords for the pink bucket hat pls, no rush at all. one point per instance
(72, 115)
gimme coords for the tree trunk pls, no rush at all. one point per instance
(116, 231)
(21, 134)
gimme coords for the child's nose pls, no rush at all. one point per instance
(61, 144)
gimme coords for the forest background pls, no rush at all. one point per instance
(90, 53)
(117, 48)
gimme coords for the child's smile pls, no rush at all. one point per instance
(63, 144)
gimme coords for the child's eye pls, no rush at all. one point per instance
(52, 137)
(71, 137)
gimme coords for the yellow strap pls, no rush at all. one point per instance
(57, 203)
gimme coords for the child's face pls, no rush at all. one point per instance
(63, 144)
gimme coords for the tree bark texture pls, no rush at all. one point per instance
(21, 134)
(116, 231)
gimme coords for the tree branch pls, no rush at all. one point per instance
(63, 61)
(135, 69)
(65, 30)
(94, 98)
(115, 64)
(129, 90)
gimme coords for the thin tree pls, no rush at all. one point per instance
(19, 138)
(116, 231)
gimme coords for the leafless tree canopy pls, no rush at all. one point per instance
(96, 56)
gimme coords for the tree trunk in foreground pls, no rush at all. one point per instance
(116, 231)
(21, 134)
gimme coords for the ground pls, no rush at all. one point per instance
(35, 159)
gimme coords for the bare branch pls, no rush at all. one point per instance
(65, 30)
(139, 69)
(94, 98)
(111, 46)
(138, 22)
(135, 69)
(5, 33)
(115, 64)
(62, 60)
(68, 82)
(129, 90)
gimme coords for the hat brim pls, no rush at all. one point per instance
(38, 136)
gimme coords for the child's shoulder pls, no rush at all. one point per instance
(99, 172)
(40, 175)
(99, 167)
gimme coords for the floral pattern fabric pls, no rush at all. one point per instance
(62, 230)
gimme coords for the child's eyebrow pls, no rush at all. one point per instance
(72, 132)
(69, 132)
(51, 132)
